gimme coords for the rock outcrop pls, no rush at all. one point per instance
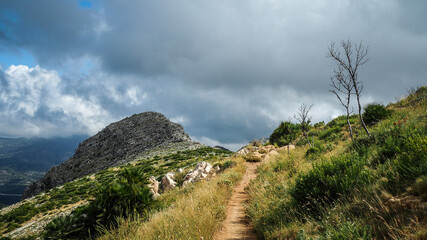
(168, 182)
(201, 171)
(154, 187)
(116, 144)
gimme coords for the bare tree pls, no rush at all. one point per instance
(342, 84)
(304, 119)
(351, 61)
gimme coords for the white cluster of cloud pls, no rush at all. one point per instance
(33, 103)
(38, 102)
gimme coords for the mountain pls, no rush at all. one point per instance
(24, 160)
(112, 166)
(116, 144)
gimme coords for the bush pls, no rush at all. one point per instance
(312, 153)
(341, 121)
(123, 196)
(284, 134)
(126, 195)
(228, 164)
(252, 158)
(330, 133)
(63, 227)
(328, 182)
(420, 188)
(375, 112)
(319, 124)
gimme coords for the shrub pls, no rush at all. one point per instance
(126, 195)
(312, 153)
(179, 177)
(375, 112)
(301, 142)
(341, 121)
(420, 188)
(284, 134)
(328, 181)
(225, 165)
(63, 227)
(252, 158)
(228, 164)
(319, 124)
(330, 133)
(123, 196)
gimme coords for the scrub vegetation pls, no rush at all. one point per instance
(371, 188)
(102, 198)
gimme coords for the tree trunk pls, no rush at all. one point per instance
(360, 113)
(306, 137)
(349, 125)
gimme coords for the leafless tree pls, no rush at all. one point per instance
(354, 57)
(342, 84)
(304, 119)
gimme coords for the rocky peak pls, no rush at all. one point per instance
(116, 144)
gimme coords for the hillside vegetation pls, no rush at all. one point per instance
(79, 209)
(374, 187)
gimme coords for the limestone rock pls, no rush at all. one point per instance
(285, 148)
(201, 171)
(243, 151)
(116, 144)
(168, 182)
(154, 187)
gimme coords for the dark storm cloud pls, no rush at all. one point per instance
(51, 30)
(228, 70)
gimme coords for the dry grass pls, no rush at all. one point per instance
(195, 214)
(268, 192)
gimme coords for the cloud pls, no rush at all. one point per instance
(33, 104)
(229, 71)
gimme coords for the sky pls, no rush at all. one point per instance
(228, 71)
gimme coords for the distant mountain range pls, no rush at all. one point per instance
(25, 160)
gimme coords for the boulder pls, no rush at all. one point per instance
(285, 148)
(168, 182)
(201, 171)
(154, 187)
(243, 151)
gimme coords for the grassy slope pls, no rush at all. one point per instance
(82, 190)
(196, 213)
(374, 187)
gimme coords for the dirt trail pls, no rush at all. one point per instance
(236, 225)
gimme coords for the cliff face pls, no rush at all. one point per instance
(117, 143)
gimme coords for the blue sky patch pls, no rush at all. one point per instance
(20, 57)
(85, 4)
